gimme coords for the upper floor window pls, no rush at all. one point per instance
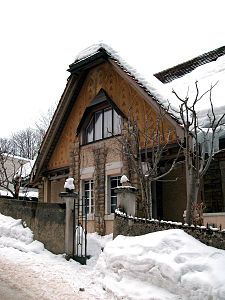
(104, 123)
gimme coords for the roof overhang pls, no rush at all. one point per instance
(89, 62)
(79, 70)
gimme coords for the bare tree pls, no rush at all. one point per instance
(198, 145)
(25, 143)
(44, 121)
(10, 169)
(145, 149)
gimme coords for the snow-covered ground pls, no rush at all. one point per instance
(29, 267)
(162, 265)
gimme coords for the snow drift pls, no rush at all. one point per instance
(162, 265)
(13, 234)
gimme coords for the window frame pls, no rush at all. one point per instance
(90, 209)
(110, 177)
(92, 118)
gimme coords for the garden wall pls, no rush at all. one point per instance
(137, 226)
(46, 220)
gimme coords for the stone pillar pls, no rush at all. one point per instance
(69, 199)
(100, 154)
(126, 199)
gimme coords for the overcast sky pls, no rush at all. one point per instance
(40, 38)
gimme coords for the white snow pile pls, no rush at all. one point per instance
(14, 235)
(124, 179)
(69, 184)
(162, 265)
(95, 246)
(28, 267)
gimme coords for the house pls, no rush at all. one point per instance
(13, 167)
(83, 138)
(208, 69)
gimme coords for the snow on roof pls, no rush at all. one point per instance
(206, 75)
(27, 193)
(23, 159)
(5, 193)
(145, 79)
(210, 74)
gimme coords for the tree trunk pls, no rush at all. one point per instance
(150, 199)
(148, 195)
(193, 184)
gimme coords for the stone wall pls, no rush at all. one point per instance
(46, 220)
(134, 227)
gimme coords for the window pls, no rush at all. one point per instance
(88, 193)
(89, 132)
(114, 182)
(108, 122)
(104, 123)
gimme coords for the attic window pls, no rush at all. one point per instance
(103, 123)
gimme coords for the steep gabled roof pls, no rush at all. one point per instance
(159, 92)
(86, 60)
(97, 53)
(180, 70)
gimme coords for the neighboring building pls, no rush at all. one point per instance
(8, 168)
(82, 139)
(207, 69)
(14, 166)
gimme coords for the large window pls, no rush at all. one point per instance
(104, 123)
(114, 182)
(88, 193)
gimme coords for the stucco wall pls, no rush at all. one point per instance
(46, 220)
(217, 219)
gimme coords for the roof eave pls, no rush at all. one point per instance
(88, 62)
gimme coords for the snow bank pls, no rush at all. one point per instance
(14, 235)
(95, 245)
(162, 265)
